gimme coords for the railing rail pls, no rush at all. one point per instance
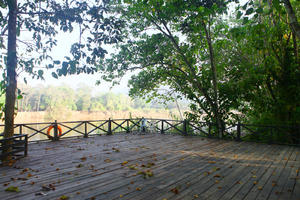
(238, 132)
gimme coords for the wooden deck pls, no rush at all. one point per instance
(153, 167)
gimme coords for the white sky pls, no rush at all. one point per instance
(64, 41)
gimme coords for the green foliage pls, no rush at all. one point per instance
(164, 59)
(58, 100)
(43, 21)
(242, 69)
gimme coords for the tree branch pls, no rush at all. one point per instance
(292, 16)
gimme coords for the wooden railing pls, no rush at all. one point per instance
(238, 132)
(16, 146)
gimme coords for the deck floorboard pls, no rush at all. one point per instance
(112, 167)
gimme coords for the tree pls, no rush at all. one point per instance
(44, 19)
(177, 53)
(292, 17)
(83, 97)
(265, 55)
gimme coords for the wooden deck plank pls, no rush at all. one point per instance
(239, 167)
(165, 178)
(235, 177)
(113, 185)
(247, 180)
(250, 190)
(200, 176)
(283, 187)
(178, 162)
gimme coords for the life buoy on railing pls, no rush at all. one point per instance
(51, 127)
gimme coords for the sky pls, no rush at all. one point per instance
(64, 42)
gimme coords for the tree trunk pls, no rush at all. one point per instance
(11, 82)
(215, 80)
(293, 18)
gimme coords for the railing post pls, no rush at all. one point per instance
(162, 127)
(20, 129)
(238, 134)
(209, 130)
(85, 130)
(109, 127)
(271, 136)
(55, 131)
(222, 128)
(26, 146)
(127, 130)
(143, 125)
(185, 127)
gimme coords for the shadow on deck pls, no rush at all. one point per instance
(152, 167)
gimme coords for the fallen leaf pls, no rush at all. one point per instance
(78, 166)
(211, 162)
(138, 189)
(115, 149)
(121, 195)
(124, 163)
(40, 194)
(175, 190)
(255, 182)
(146, 174)
(253, 176)
(215, 169)
(277, 193)
(12, 189)
(77, 192)
(107, 160)
(259, 188)
(48, 187)
(206, 173)
(217, 175)
(63, 197)
(196, 195)
(83, 159)
(22, 179)
(150, 165)
(133, 167)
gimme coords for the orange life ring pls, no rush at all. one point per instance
(51, 127)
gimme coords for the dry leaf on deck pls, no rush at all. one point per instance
(12, 189)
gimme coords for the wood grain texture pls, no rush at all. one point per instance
(183, 167)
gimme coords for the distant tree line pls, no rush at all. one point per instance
(81, 99)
